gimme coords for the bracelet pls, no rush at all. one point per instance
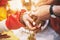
(51, 11)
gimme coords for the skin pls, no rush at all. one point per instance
(39, 14)
(42, 13)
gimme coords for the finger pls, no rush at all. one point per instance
(33, 16)
(28, 24)
(37, 21)
(30, 19)
(39, 26)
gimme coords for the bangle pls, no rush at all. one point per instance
(51, 11)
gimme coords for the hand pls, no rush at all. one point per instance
(42, 13)
(29, 22)
(33, 20)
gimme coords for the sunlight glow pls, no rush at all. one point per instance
(15, 4)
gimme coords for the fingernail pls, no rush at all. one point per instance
(34, 23)
(39, 25)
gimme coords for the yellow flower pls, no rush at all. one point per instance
(3, 13)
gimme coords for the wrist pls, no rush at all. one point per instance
(54, 10)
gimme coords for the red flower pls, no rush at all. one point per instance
(3, 2)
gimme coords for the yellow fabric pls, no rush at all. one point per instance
(3, 13)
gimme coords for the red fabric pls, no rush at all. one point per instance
(55, 24)
(13, 21)
(3, 2)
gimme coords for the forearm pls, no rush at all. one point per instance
(44, 12)
(56, 10)
(44, 2)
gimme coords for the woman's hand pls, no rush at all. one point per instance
(41, 14)
(33, 20)
(29, 22)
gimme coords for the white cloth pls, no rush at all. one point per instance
(3, 26)
(47, 34)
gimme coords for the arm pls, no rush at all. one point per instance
(44, 13)
(44, 2)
